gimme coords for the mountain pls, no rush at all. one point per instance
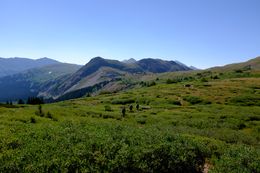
(161, 66)
(105, 72)
(252, 64)
(54, 80)
(61, 81)
(27, 83)
(129, 61)
(9, 66)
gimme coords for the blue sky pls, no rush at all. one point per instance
(202, 33)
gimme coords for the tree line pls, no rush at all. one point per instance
(30, 101)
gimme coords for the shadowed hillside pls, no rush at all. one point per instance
(9, 66)
(27, 83)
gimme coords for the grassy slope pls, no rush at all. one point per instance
(214, 122)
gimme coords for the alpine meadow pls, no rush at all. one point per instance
(167, 122)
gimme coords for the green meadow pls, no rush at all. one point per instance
(174, 122)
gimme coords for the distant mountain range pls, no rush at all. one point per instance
(54, 80)
(9, 66)
(57, 81)
(28, 75)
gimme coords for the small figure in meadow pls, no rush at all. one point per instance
(137, 106)
(123, 111)
(131, 108)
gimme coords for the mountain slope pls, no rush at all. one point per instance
(252, 64)
(160, 66)
(27, 83)
(9, 66)
(100, 70)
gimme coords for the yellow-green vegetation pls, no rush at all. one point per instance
(181, 123)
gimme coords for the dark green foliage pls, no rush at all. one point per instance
(193, 99)
(123, 101)
(20, 101)
(204, 80)
(112, 148)
(238, 159)
(7, 105)
(215, 77)
(179, 79)
(176, 80)
(241, 126)
(175, 102)
(33, 120)
(246, 100)
(170, 81)
(49, 115)
(204, 74)
(9, 102)
(104, 92)
(108, 108)
(35, 100)
(141, 120)
(239, 71)
(147, 84)
(253, 118)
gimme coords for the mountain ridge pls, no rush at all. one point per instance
(94, 76)
(9, 66)
(27, 83)
(113, 67)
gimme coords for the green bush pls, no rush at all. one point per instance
(204, 80)
(193, 99)
(245, 100)
(175, 102)
(108, 108)
(238, 159)
(32, 120)
(112, 148)
(123, 101)
(141, 120)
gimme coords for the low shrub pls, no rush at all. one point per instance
(123, 101)
(204, 80)
(238, 159)
(141, 120)
(108, 108)
(245, 100)
(32, 120)
(253, 118)
(193, 99)
(175, 102)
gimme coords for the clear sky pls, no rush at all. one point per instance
(202, 33)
